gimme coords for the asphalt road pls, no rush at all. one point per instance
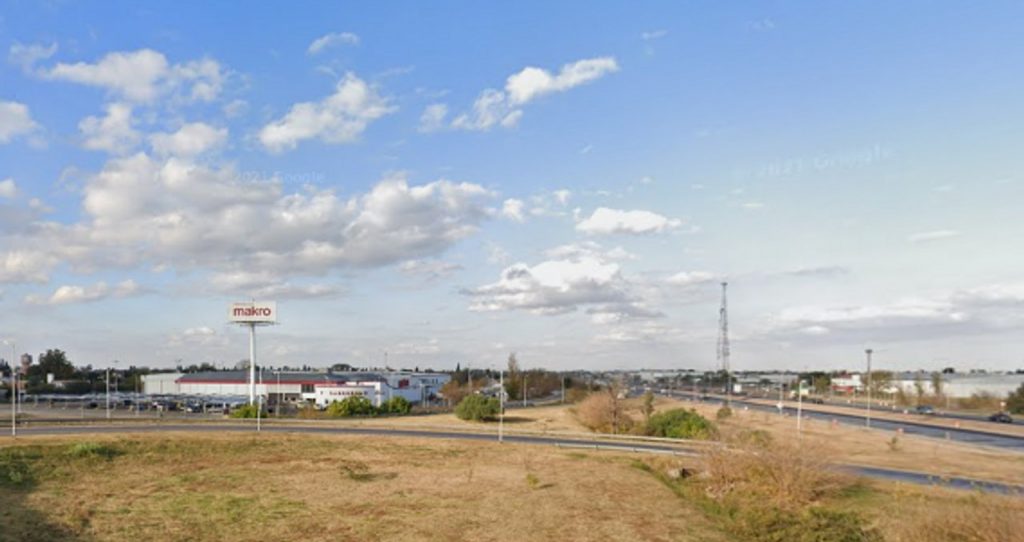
(872, 472)
(970, 436)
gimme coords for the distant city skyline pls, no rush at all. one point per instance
(569, 182)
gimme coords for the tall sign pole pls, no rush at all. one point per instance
(252, 314)
(867, 385)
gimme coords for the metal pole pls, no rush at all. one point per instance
(524, 390)
(501, 406)
(14, 393)
(799, 404)
(108, 393)
(259, 405)
(252, 363)
(277, 408)
(563, 389)
(868, 385)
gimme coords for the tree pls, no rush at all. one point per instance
(54, 362)
(453, 392)
(918, 387)
(1015, 401)
(937, 383)
(513, 380)
(478, 408)
(603, 412)
(648, 407)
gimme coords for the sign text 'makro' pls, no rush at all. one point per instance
(259, 311)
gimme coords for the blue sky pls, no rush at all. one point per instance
(570, 181)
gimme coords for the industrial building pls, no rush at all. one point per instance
(320, 388)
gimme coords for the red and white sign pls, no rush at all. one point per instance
(257, 311)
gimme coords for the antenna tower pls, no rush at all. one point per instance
(723, 343)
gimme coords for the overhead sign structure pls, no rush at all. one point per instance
(252, 314)
(261, 312)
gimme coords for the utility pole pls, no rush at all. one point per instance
(799, 403)
(868, 386)
(563, 389)
(108, 393)
(524, 390)
(14, 391)
(723, 345)
(501, 406)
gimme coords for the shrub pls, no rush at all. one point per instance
(723, 413)
(15, 468)
(604, 412)
(245, 411)
(396, 405)
(478, 408)
(92, 449)
(356, 405)
(1015, 402)
(680, 423)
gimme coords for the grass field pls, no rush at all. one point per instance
(292, 487)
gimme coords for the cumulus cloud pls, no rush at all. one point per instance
(66, 295)
(144, 75)
(533, 82)
(512, 209)
(112, 133)
(340, 118)
(936, 235)
(176, 213)
(25, 265)
(8, 188)
(689, 278)
(433, 118)
(503, 108)
(605, 221)
(27, 56)
(330, 40)
(15, 121)
(190, 140)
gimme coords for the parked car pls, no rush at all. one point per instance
(817, 400)
(1000, 417)
(924, 409)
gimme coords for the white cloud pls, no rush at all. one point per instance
(689, 278)
(176, 213)
(27, 56)
(533, 82)
(328, 40)
(588, 249)
(190, 140)
(339, 118)
(429, 270)
(8, 188)
(562, 196)
(15, 121)
(752, 205)
(512, 209)
(503, 107)
(113, 133)
(653, 35)
(143, 75)
(936, 235)
(606, 221)
(433, 117)
(235, 108)
(25, 265)
(66, 295)
(552, 287)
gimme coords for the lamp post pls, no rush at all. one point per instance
(867, 418)
(108, 392)
(501, 405)
(14, 391)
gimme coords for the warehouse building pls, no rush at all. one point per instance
(320, 388)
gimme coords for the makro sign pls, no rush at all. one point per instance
(259, 311)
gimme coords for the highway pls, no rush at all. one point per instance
(969, 436)
(681, 449)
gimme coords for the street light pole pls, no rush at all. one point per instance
(867, 418)
(501, 405)
(14, 391)
(108, 393)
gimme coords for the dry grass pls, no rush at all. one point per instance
(235, 487)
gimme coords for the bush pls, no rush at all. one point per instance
(245, 411)
(93, 449)
(478, 408)
(396, 405)
(604, 412)
(680, 423)
(723, 413)
(357, 405)
(1015, 402)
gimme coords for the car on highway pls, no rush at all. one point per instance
(925, 409)
(1000, 417)
(817, 400)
